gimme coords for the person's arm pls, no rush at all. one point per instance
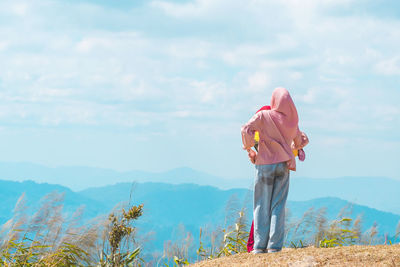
(248, 130)
(252, 155)
(300, 141)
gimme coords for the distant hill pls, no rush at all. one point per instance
(171, 204)
(167, 205)
(204, 204)
(386, 221)
(375, 192)
(79, 177)
(11, 191)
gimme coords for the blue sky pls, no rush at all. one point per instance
(155, 85)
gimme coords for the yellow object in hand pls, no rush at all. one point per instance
(257, 139)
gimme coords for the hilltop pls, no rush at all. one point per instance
(382, 255)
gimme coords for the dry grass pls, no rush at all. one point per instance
(382, 255)
(50, 238)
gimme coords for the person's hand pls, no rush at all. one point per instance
(252, 155)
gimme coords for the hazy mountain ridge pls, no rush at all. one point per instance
(81, 177)
(376, 192)
(166, 205)
(11, 191)
(186, 199)
(379, 193)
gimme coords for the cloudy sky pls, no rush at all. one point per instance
(155, 85)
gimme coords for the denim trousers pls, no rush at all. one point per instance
(271, 188)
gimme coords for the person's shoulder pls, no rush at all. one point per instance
(265, 112)
(263, 115)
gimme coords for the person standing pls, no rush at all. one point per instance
(279, 134)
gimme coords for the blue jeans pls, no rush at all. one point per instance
(270, 193)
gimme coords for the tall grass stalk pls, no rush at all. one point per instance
(50, 238)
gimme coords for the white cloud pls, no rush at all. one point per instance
(178, 10)
(258, 81)
(245, 54)
(310, 96)
(331, 142)
(386, 113)
(199, 49)
(311, 51)
(203, 8)
(20, 9)
(3, 45)
(197, 8)
(389, 66)
(295, 75)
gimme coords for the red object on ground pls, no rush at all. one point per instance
(250, 242)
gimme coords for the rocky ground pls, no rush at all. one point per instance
(383, 255)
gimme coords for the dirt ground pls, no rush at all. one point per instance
(304, 257)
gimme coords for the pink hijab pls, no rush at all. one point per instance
(284, 115)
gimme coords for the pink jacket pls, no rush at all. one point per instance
(278, 130)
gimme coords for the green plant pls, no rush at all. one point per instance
(176, 252)
(180, 262)
(121, 229)
(229, 240)
(396, 235)
(298, 244)
(45, 238)
(304, 231)
(338, 234)
(201, 251)
(208, 252)
(235, 240)
(49, 238)
(67, 255)
(370, 236)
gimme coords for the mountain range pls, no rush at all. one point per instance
(375, 192)
(166, 206)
